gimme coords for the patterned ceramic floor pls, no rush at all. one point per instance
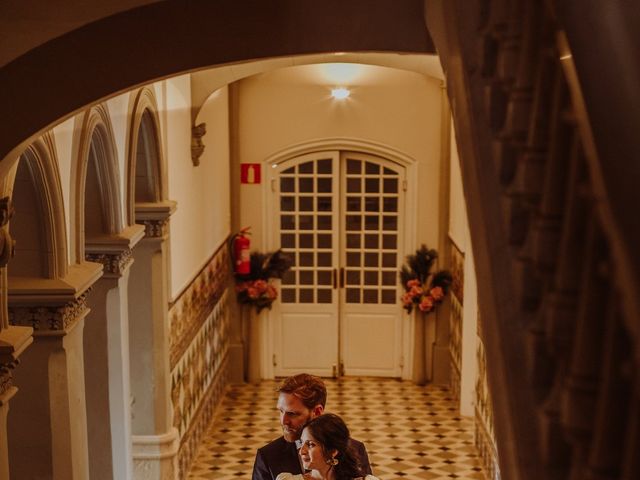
(410, 431)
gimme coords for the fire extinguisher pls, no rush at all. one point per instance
(241, 254)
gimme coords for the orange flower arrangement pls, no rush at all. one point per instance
(423, 289)
(256, 288)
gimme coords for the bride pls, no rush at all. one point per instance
(326, 452)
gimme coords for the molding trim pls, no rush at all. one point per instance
(341, 144)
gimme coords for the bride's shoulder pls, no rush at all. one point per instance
(371, 477)
(288, 476)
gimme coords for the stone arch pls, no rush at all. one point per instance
(145, 167)
(102, 43)
(39, 225)
(95, 165)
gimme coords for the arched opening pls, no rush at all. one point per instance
(29, 229)
(35, 300)
(41, 250)
(151, 425)
(147, 179)
(95, 214)
(102, 240)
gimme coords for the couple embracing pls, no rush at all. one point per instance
(314, 445)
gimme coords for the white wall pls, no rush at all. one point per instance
(459, 234)
(290, 106)
(201, 221)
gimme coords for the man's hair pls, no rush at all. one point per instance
(308, 388)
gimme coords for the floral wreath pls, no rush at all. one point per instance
(256, 288)
(423, 289)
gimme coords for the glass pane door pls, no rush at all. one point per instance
(371, 227)
(306, 226)
(307, 198)
(370, 233)
(339, 219)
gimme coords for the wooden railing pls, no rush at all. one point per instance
(555, 276)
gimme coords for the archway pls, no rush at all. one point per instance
(155, 440)
(57, 316)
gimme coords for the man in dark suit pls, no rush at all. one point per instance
(301, 398)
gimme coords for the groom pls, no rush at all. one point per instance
(301, 398)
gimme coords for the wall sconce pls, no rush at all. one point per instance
(197, 147)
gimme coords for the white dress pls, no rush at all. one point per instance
(291, 476)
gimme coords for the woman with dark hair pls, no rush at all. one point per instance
(326, 452)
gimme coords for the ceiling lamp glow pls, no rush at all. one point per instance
(340, 93)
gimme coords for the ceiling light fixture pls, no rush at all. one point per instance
(340, 93)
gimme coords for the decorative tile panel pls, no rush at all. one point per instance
(455, 345)
(484, 433)
(457, 272)
(456, 317)
(198, 381)
(194, 305)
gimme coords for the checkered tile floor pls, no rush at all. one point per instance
(410, 432)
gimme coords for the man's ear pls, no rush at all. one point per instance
(317, 410)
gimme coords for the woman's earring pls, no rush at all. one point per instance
(332, 461)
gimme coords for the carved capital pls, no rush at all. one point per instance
(197, 147)
(7, 244)
(115, 263)
(6, 379)
(155, 217)
(47, 319)
(155, 228)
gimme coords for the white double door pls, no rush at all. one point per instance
(339, 217)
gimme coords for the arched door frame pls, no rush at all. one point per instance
(338, 144)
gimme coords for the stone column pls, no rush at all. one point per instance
(49, 431)
(13, 340)
(155, 440)
(440, 355)
(106, 347)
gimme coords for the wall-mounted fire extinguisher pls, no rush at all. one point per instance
(241, 254)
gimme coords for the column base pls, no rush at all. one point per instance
(155, 457)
